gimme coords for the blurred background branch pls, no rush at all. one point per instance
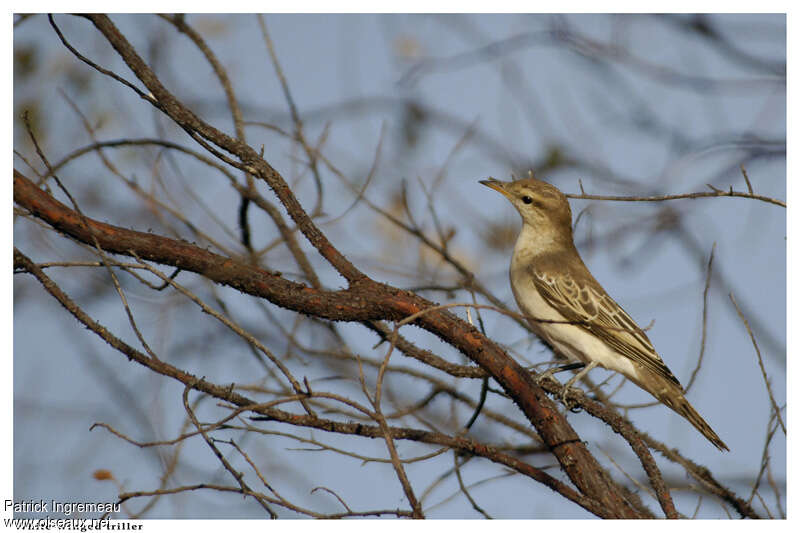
(373, 132)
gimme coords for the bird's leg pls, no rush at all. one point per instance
(576, 377)
(556, 369)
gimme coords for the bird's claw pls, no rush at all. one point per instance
(572, 406)
(547, 374)
(565, 390)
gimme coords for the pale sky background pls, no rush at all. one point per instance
(58, 391)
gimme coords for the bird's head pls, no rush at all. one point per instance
(541, 205)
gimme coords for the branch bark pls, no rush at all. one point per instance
(362, 300)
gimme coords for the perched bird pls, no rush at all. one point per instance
(569, 309)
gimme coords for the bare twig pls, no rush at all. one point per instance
(705, 321)
(238, 476)
(747, 180)
(457, 468)
(416, 507)
(716, 193)
(772, 400)
(298, 123)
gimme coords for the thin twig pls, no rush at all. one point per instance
(381, 420)
(747, 180)
(298, 123)
(705, 320)
(249, 338)
(774, 403)
(716, 193)
(238, 476)
(457, 468)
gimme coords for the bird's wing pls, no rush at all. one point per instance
(588, 305)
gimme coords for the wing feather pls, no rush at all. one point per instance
(592, 309)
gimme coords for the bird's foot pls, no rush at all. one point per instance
(565, 390)
(547, 374)
(568, 386)
(571, 405)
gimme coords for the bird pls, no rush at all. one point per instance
(567, 307)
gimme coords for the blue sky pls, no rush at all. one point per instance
(496, 94)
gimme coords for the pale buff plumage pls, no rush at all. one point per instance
(552, 284)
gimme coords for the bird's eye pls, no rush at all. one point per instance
(527, 199)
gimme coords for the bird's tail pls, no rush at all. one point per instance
(678, 403)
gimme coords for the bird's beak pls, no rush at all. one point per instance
(499, 186)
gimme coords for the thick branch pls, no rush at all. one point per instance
(271, 413)
(355, 303)
(365, 300)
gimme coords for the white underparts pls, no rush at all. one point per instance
(572, 341)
